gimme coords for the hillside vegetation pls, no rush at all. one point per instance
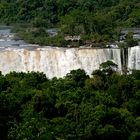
(94, 20)
(75, 107)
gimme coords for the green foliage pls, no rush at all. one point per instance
(105, 106)
(130, 42)
(108, 67)
(39, 22)
(100, 19)
(79, 76)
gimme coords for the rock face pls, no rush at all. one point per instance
(56, 62)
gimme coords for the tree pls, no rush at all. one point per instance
(79, 76)
(108, 67)
(130, 41)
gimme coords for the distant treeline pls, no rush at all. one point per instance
(75, 107)
(94, 20)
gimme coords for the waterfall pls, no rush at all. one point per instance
(134, 58)
(16, 55)
(124, 56)
(56, 62)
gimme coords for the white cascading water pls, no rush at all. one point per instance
(56, 62)
(134, 58)
(16, 55)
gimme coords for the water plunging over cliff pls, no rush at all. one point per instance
(134, 58)
(57, 62)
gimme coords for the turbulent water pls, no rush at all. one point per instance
(57, 62)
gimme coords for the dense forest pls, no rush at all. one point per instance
(75, 107)
(94, 20)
